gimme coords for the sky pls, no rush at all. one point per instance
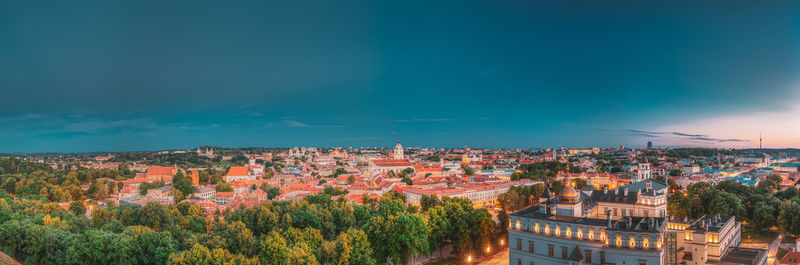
(82, 76)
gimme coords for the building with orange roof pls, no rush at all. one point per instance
(791, 258)
(380, 166)
(163, 174)
(238, 172)
(223, 198)
(479, 194)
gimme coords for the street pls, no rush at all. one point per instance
(501, 258)
(772, 250)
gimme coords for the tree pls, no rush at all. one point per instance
(439, 227)
(675, 172)
(467, 170)
(412, 236)
(360, 249)
(273, 249)
(185, 187)
(154, 215)
(407, 181)
(224, 187)
(200, 254)
(273, 192)
(302, 254)
(152, 247)
(100, 247)
(428, 202)
(77, 208)
(764, 215)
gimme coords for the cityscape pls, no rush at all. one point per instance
(399, 133)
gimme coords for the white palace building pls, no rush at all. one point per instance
(625, 226)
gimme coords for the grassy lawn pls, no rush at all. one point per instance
(749, 236)
(6, 260)
(781, 253)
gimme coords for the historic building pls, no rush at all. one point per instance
(625, 226)
(398, 152)
(557, 231)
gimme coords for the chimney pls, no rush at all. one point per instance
(626, 192)
(608, 217)
(649, 185)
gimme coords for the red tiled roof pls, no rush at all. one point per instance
(238, 171)
(160, 171)
(791, 258)
(392, 163)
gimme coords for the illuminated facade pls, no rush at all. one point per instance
(560, 230)
(582, 228)
(711, 239)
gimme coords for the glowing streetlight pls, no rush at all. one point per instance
(501, 242)
(469, 259)
(488, 249)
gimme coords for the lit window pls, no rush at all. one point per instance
(632, 242)
(569, 232)
(645, 243)
(619, 241)
(591, 235)
(580, 234)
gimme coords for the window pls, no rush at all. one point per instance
(646, 212)
(519, 262)
(588, 256)
(550, 250)
(519, 244)
(531, 263)
(530, 246)
(615, 212)
(642, 262)
(602, 257)
(564, 253)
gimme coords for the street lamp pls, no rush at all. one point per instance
(488, 249)
(469, 258)
(502, 242)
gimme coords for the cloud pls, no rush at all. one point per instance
(297, 124)
(645, 133)
(292, 123)
(688, 134)
(673, 135)
(708, 139)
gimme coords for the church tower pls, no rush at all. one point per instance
(644, 172)
(398, 151)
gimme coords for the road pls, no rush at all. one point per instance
(501, 258)
(772, 250)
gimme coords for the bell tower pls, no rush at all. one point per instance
(644, 172)
(398, 151)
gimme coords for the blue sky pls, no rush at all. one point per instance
(147, 75)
